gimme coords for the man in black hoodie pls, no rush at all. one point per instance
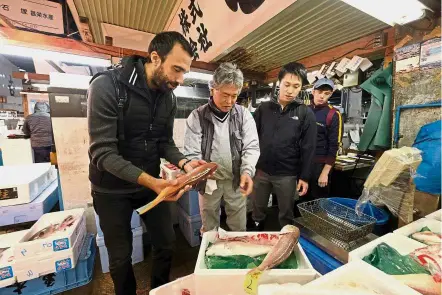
(131, 112)
(287, 138)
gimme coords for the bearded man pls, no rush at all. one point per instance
(131, 111)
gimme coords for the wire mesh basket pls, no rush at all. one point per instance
(335, 221)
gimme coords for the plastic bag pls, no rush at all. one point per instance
(245, 262)
(388, 260)
(389, 183)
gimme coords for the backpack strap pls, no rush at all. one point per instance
(121, 92)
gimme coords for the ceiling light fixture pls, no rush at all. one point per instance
(52, 55)
(392, 12)
(198, 76)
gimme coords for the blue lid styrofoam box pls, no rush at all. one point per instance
(30, 211)
(134, 223)
(190, 226)
(189, 203)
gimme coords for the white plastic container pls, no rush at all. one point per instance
(190, 226)
(54, 243)
(43, 264)
(398, 242)
(30, 211)
(433, 224)
(134, 222)
(21, 184)
(435, 215)
(137, 252)
(175, 287)
(231, 281)
(358, 273)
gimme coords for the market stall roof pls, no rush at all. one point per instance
(294, 30)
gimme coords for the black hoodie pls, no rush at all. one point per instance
(287, 139)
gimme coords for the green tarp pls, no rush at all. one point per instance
(377, 129)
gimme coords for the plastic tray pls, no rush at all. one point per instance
(62, 281)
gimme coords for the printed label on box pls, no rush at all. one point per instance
(8, 193)
(6, 273)
(63, 264)
(61, 244)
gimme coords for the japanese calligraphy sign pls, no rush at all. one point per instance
(212, 27)
(40, 15)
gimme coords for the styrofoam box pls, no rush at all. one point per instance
(9, 239)
(189, 202)
(43, 264)
(435, 215)
(137, 249)
(398, 242)
(231, 281)
(7, 272)
(31, 211)
(134, 222)
(175, 287)
(21, 184)
(359, 273)
(416, 226)
(54, 243)
(190, 226)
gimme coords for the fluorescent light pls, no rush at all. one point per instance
(53, 55)
(43, 87)
(392, 11)
(64, 80)
(198, 76)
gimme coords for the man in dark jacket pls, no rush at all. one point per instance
(287, 137)
(38, 127)
(329, 137)
(131, 113)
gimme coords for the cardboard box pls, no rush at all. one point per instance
(59, 241)
(21, 184)
(231, 281)
(30, 211)
(169, 171)
(360, 273)
(43, 264)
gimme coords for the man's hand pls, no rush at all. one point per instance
(193, 164)
(302, 187)
(246, 184)
(161, 184)
(323, 180)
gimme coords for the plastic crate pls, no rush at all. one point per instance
(135, 222)
(190, 226)
(137, 250)
(321, 261)
(62, 281)
(189, 203)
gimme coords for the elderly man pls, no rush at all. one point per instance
(224, 132)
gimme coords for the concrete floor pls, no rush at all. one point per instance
(183, 264)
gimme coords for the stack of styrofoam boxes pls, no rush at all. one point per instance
(231, 281)
(54, 252)
(26, 192)
(137, 244)
(7, 275)
(189, 217)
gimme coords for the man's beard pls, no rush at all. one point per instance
(160, 80)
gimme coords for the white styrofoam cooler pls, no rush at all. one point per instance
(358, 273)
(398, 242)
(43, 264)
(137, 251)
(175, 287)
(416, 226)
(54, 243)
(30, 211)
(231, 281)
(7, 273)
(134, 222)
(190, 226)
(21, 184)
(435, 215)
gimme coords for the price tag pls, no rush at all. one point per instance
(251, 282)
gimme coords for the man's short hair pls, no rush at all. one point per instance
(294, 68)
(163, 43)
(226, 74)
